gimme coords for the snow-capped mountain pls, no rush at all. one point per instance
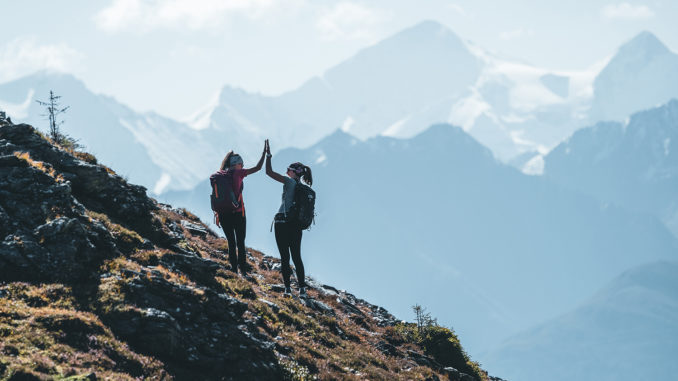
(409, 78)
(423, 75)
(632, 164)
(401, 217)
(625, 332)
(643, 74)
(426, 74)
(420, 76)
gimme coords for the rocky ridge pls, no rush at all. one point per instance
(99, 281)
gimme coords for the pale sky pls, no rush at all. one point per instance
(173, 56)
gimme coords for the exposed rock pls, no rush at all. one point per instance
(274, 306)
(199, 269)
(382, 316)
(277, 287)
(93, 185)
(388, 349)
(194, 228)
(422, 359)
(350, 307)
(452, 373)
(318, 306)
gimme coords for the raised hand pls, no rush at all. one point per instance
(269, 170)
(257, 167)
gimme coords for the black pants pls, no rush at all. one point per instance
(235, 227)
(288, 238)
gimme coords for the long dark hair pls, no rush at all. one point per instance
(224, 163)
(303, 171)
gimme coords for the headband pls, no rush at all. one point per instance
(298, 170)
(235, 159)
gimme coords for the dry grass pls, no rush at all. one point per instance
(45, 336)
(318, 346)
(312, 345)
(127, 240)
(86, 157)
(45, 168)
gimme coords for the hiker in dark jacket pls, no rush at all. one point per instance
(233, 220)
(287, 234)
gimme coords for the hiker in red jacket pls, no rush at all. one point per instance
(229, 207)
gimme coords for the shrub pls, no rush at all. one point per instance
(439, 342)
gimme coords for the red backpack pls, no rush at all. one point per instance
(223, 198)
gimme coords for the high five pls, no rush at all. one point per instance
(296, 212)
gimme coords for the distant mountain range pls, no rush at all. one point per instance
(625, 332)
(398, 87)
(632, 164)
(426, 75)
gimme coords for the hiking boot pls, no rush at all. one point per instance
(288, 291)
(302, 292)
(245, 267)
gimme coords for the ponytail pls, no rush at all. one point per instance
(303, 172)
(307, 176)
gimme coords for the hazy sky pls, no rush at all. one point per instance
(173, 56)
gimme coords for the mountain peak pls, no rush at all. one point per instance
(428, 27)
(644, 44)
(229, 92)
(427, 30)
(54, 75)
(338, 138)
(641, 75)
(54, 78)
(420, 39)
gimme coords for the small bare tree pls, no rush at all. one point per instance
(424, 319)
(54, 109)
